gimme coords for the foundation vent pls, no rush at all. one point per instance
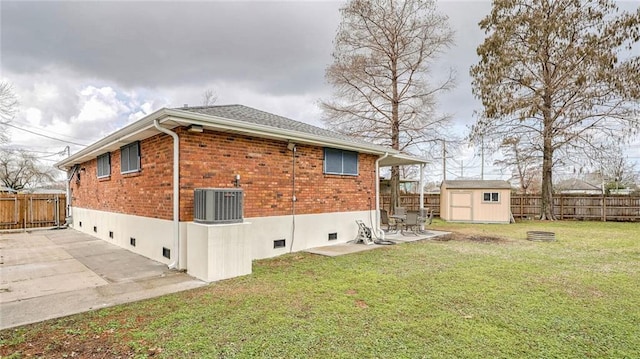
(218, 205)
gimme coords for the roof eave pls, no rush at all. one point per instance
(394, 158)
(187, 118)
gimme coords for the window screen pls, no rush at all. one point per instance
(104, 165)
(340, 162)
(130, 157)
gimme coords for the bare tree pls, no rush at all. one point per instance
(209, 97)
(8, 106)
(383, 89)
(556, 71)
(616, 170)
(20, 170)
(521, 160)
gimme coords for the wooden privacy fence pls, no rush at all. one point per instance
(412, 202)
(578, 207)
(22, 211)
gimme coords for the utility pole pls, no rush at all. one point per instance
(482, 157)
(444, 161)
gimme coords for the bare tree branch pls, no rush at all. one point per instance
(20, 170)
(383, 90)
(8, 107)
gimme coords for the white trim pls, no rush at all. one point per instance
(144, 128)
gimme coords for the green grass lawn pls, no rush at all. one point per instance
(578, 297)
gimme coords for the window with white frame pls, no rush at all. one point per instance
(340, 162)
(104, 165)
(491, 197)
(130, 158)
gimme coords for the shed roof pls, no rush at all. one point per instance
(476, 184)
(236, 119)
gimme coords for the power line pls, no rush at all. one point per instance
(39, 134)
(46, 130)
(33, 151)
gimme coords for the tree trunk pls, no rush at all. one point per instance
(395, 188)
(395, 136)
(546, 207)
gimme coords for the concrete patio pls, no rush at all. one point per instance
(48, 274)
(398, 238)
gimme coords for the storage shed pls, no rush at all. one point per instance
(475, 201)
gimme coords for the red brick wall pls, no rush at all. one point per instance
(145, 193)
(212, 159)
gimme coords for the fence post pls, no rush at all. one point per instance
(604, 208)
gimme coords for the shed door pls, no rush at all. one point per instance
(460, 206)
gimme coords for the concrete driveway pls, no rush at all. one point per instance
(54, 273)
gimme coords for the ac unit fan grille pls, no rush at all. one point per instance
(218, 205)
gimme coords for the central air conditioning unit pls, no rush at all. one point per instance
(218, 205)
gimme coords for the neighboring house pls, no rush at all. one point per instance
(303, 186)
(577, 186)
(7, 190)
(475, 201)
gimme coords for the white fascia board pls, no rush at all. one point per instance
(187, 118)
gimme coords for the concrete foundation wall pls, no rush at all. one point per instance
(311, 230)
(216, 252)
(152, 234)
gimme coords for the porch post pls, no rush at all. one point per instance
(422, 194)
(422, 186)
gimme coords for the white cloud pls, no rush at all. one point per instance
(33, 115)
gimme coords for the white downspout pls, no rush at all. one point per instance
(176, 193)
(377, 225)
(67, 219)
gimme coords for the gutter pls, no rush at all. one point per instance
(176, 193)
(377, 179)
(186, 118)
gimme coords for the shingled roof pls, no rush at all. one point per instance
(238, 119)
(252, 115)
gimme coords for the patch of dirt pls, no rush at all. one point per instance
(105, 337)
(361, 304)
(469, 237)
(62, 345)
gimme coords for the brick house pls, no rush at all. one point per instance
(303, 186)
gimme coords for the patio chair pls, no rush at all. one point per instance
(426, 215)
(399, 211)
(384, 220)
(411, 222)
(425, 219)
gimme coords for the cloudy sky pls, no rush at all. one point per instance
(84, 69)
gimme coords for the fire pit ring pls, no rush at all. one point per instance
(541, 236)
